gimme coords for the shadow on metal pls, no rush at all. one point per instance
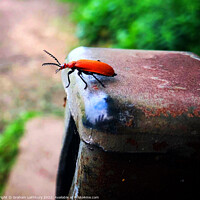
(67, 163)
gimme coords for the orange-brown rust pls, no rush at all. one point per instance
(147, 100)
(129, 123)
(167, 112)
(196, 112)
(95, 87)
(65, 100)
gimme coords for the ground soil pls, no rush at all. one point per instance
(34, 173)
(26, 28)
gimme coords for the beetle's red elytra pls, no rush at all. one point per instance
(88, 67)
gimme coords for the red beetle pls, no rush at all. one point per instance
(89, 67)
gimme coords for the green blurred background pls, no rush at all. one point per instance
(135, 24)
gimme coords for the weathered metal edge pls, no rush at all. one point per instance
(121, 143)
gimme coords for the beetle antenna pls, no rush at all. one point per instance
(50, 64)
(52, 56)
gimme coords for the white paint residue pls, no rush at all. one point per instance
(165, 84)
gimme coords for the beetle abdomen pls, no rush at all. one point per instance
(95, 67)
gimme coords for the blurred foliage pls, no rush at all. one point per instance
(9, 140)
(147, 24)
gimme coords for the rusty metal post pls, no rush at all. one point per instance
(139, 136)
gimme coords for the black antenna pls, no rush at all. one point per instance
(50, 64)
(52, 56)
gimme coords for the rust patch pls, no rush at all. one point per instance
(130, 123)
(65, 100)
(87, 159)
(170, 111)
(196, 112)
(95, 87)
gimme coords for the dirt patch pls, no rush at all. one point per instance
(28, 27)
(36, 167)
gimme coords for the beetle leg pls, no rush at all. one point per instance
(79, 73)
(98, 80)
(68, 77)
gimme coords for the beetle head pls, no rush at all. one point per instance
(63, 66)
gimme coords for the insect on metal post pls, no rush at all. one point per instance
(88, 67)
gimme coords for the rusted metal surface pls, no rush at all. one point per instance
(152, 105)
(139, 136)
(109, 175)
